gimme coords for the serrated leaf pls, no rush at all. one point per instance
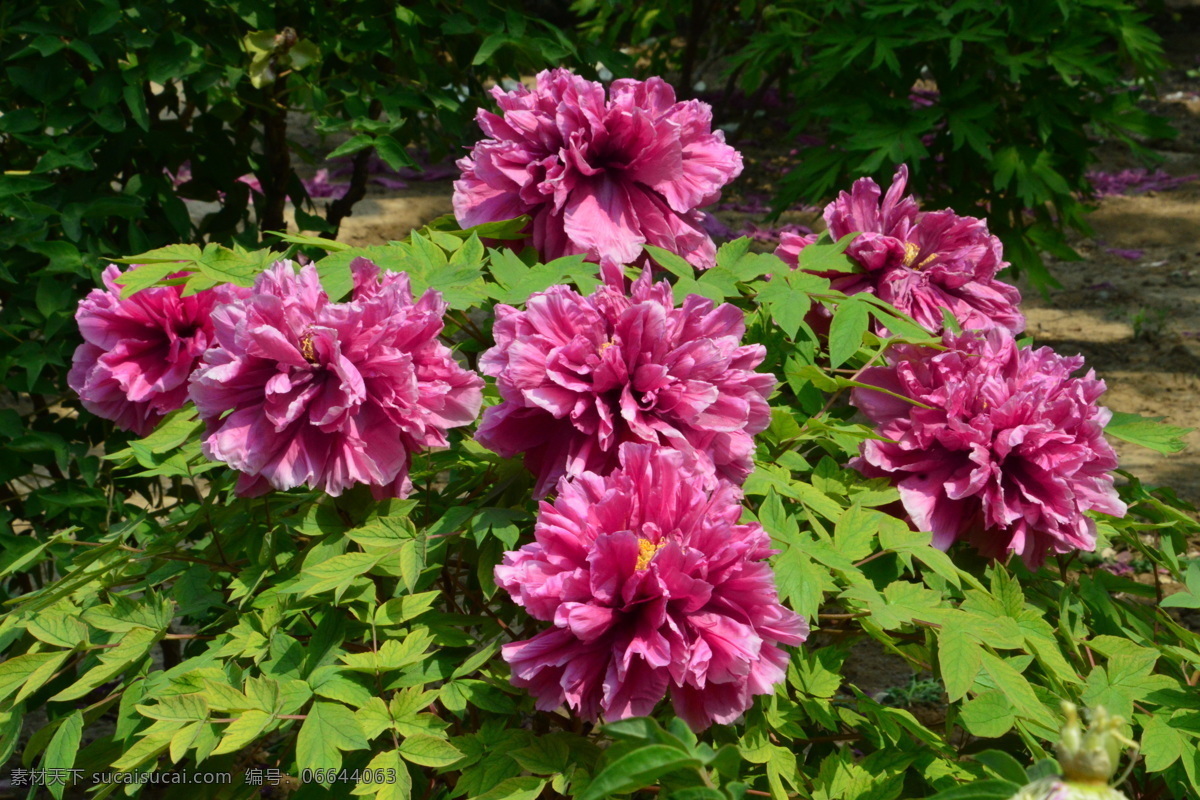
(386, 764)
(399, 610)
(1002, 764)
(248, 726)
(429, 751)
(329, 729)
(850, 322)
(526, 787)
(960, 658)
(1162, 743)
(855, 530)
(326, 682)
(1148, 432)
(374, 717)
(671, 262)
(183, 739)
(16, 671)
(60, 753)
(131, 649)
(548, 755)
(822, 256)
(338, 572)
(351, 146)
(177, 707)
(40, 675)
(393, 153)
(988, 789)
(637, 769)
(989, 715)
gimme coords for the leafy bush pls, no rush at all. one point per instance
(327, 638)
(108, 106)
(996, 105)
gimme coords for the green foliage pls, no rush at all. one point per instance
(1020, 93)
(332, 636)
(108, 105)
(995, 106)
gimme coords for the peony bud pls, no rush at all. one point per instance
(1088, 759)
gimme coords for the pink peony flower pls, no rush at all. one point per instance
(330, 394)
(580, 375)
(138, 352)
(921, 263)
(652, 587)
(1010, 453)
(598, 176)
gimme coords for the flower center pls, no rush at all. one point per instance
(604, 347)
(646, 551)
(911, 251)
(306, 348)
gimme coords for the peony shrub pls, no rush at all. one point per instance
(648, 552)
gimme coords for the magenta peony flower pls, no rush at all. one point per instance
(652, 586)
(137, 353)
(1010, 453)
(580, 375)
(921, 263)
(598, 176)
(330, 394)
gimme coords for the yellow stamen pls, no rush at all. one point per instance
(646, 551)
(911, 251)
(306, 348)
(605, 346)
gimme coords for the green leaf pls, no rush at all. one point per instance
(429, 751)
(526, 787)
(147, 275)
(989, 789)
(248, 726)
(850, 322)
(637, 769)
(548, 755)
(1147, 431)
(1017, 691)
(391, 765)
(822, 256)
(40, 675)
(329, 729)
(177, 708)
(1190, 597)
(989, 715)
(132, 648)
(960, 659)
(352, 145)
(393, 153)
(326, 682)
(60, 753)
(855, 531)
(338, 572)
(1003, 765)
(61, 629)
(186, 253)
(135, 101)
(671, 262)
(401, 609)
(222, 265)
(488, 48)
(16, 671)
(786, 304)
(373, 717)
(1162, 743)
